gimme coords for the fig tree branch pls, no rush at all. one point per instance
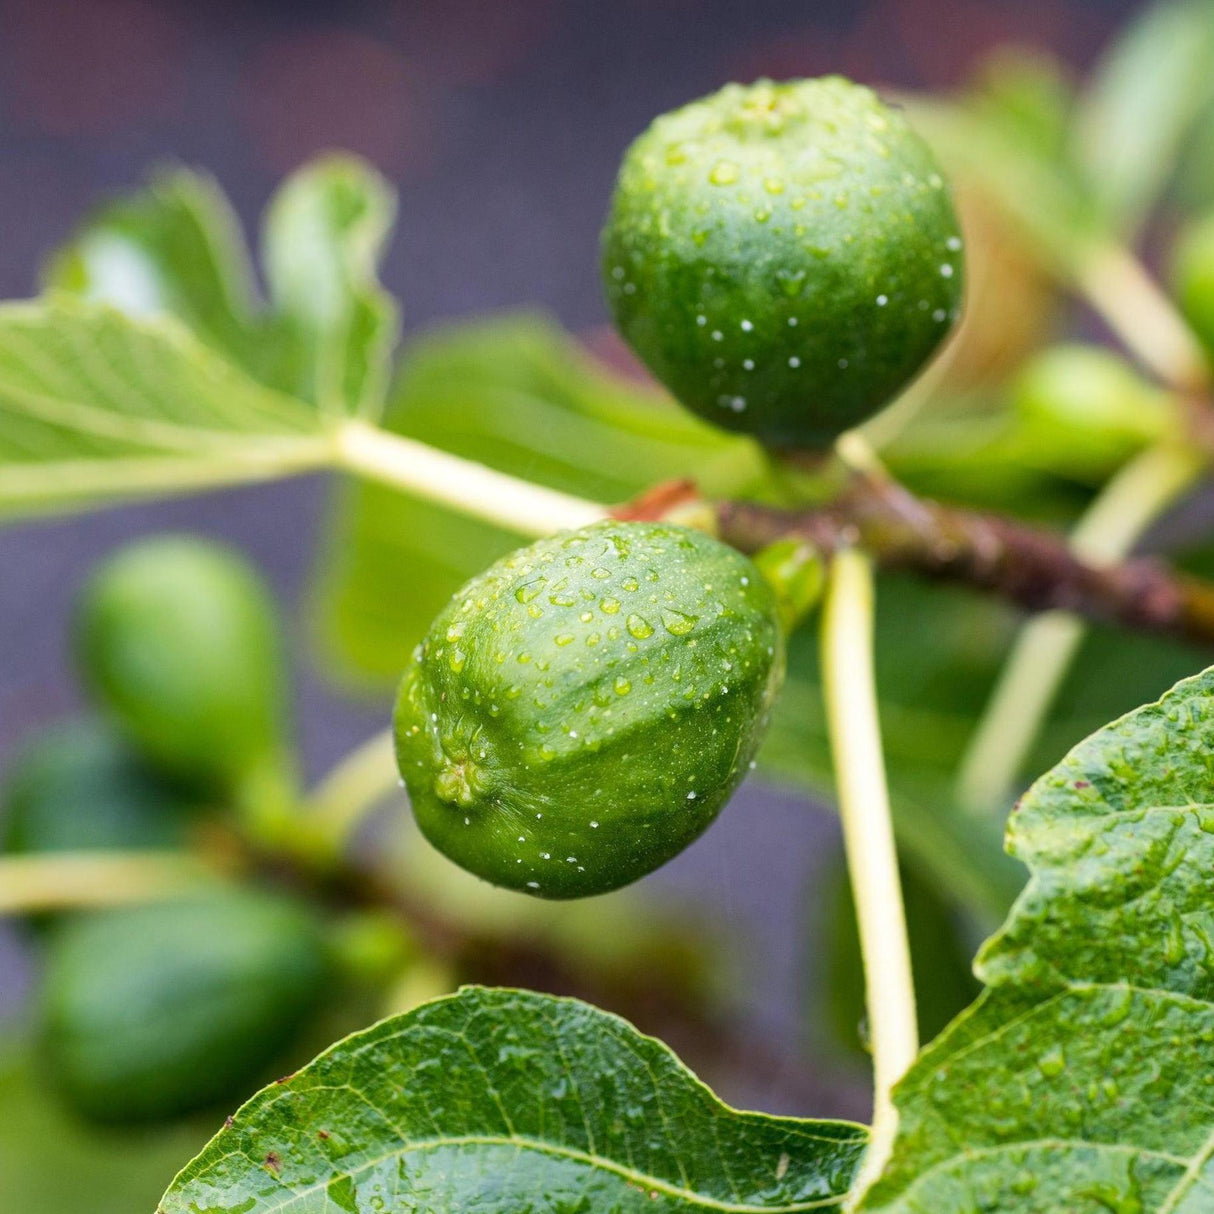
(1028, 566)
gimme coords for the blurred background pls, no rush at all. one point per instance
(502, 126)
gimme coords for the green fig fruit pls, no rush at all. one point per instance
(151, 1011)
(783, 257)
(177, 637)
(582, 710)
(78, 787)
(1084, 409)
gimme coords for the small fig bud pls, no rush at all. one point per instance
(1087, 410)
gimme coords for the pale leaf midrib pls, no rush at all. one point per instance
(631, 1175)
(971, 1153)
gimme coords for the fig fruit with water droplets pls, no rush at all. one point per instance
(582, 710)
(783, 257)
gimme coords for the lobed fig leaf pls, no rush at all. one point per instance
(1079, 1080)
(582, 710)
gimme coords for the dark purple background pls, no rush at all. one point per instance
(502, 124)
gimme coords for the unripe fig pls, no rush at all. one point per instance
(582, 710)
(152, 1011)
(783, 257)
(177, 638)
(1193, 277)
(79, 788)
(1088, 409)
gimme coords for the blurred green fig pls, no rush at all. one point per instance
(151, 1011)
(78, 787)
(177, 638)
(1085, 410)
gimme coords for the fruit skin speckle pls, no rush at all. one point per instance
(563, 768)
(752, 234)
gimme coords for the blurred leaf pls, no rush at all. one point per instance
(1141, 105)
(1004, 137)
(50, 1162)
(1193, 186)
(519, 395)
(1028, 94)
(941, 944)
(173, 248)
(500, 1100)
(96, 406)
(334, 325)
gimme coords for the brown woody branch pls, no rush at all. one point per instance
(1026, 565)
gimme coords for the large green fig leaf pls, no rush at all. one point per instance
(96, 405)
(500, 1100)
(1081, 1079)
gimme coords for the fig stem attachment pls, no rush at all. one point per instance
(462, 484)
(1046, 646)
(50, 881)
(872, 862)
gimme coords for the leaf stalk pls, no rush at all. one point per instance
(851, 706)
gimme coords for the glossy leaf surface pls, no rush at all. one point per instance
(1080, 1079)
(499, 1100)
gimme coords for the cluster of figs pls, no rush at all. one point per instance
(784, 258)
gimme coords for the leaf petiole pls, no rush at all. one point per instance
(72, 880)
(472, 488)
(864, 809)
(359, 782)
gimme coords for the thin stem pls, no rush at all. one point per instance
(1043, 652)
(70, 880)
(462, 484)
(868, 836)
(363, 779)
(1118, 287)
